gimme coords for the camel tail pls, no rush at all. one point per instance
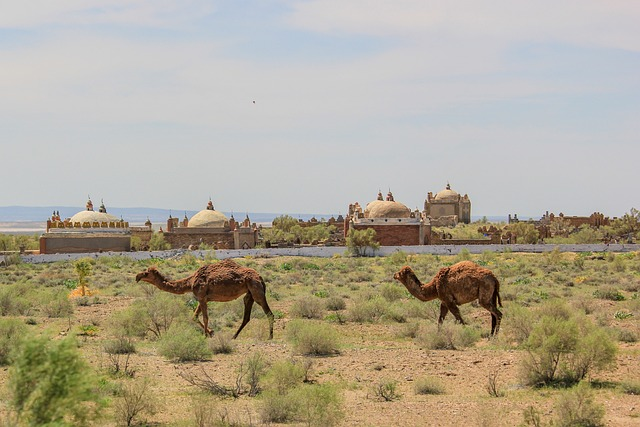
(496, 293)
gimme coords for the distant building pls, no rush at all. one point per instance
(394, 223)
(86, 231)
(447, 208)
(212, 228)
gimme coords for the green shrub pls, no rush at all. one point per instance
(318, 405)
(448, 336)
(221, 343)
(277, 408)
(284, 376)
(428, 385)
(576, 407)
(368, 310)
(312, 338)
(16, 299)
(56, 304)
(392, 292)
(129, 323)
(50, 384)
(252, 369)
(335, 303)
(630, 387)
(518, 323)
(120, 345)
(12, 332)
(565, 351)
(310, 307)
(183, 342)
(386, 390)
(397, 258)
(415, 308)
(608, 293)
(159, 311)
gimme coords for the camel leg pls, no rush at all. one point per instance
(262, 302)
(248, 303)
(453, 308)
(205, 319)
(443, 313)
(196, 313)
(496, 317)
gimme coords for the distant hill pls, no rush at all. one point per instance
(135, 216)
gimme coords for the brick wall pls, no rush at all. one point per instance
(53, 244)
(394, 235)
(222, 240)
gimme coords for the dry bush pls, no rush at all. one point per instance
(12, 333)
(368, 310)
(183, 342)
(308, 307)
(448, 336)
(313, 338)
(386, 390)
(221, 343)
(428, 385)
(136, 400)
(576, 407)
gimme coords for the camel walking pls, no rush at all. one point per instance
(459, 284)
(220, 282)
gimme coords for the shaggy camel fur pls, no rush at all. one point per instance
(221, 282)
(459, 284)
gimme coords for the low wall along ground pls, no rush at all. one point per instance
(330, 251)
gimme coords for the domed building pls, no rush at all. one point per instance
(447, 208)
(212, 228)
(86, 231)
(395, 224)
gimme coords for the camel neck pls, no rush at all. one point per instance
(180, 286)
(424, 292)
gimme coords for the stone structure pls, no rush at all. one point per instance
(212, 228)
(86, 231)
(447, 208)
(144, 233)
(550, 225)
(394, 223)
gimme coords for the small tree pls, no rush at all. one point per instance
(628, 224)
(565, 351)
(158, 243)
(525, 232)
(83, 269)
(359, 240)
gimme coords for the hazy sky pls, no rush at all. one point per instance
(526, 106)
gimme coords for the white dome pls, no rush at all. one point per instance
(93, 216)
(208, 218)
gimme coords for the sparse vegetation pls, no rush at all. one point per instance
(183, 343)
(573, 317)
(428, 385)
(313, 338)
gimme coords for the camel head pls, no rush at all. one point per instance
(148, 275)
(404, 272)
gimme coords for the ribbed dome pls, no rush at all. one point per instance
(208, 218)
(447, 195)
(386, 209)
(93, 216)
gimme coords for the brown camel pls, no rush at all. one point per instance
(223, 281)
(459, 284)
